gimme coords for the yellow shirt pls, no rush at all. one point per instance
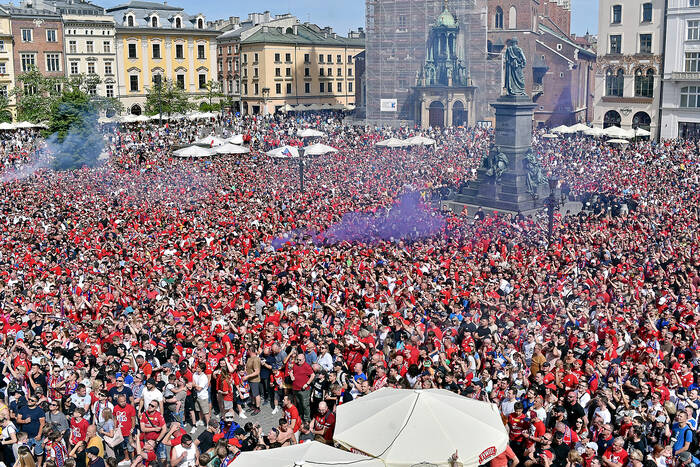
(97, 442)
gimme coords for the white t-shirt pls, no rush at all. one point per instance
(149, 396)
(202, 381)
(190, 456)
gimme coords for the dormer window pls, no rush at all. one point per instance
(178, 23)
(154, 21)
(130, 21)
(200, 23)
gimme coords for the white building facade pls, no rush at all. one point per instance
(629, 66)
(680, 110)
(90, 49)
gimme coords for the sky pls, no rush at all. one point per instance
(341, 15)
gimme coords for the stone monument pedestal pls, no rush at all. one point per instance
(514, 139)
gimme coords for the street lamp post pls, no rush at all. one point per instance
(301, 170)
(160, 103)
(551, 204)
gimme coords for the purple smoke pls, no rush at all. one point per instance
(408, 219)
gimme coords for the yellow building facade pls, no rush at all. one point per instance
(155, 42)
(7, 63)
(299, 65)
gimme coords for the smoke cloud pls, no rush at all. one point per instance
(408, 219)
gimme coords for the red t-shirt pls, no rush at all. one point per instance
(302, 373)
(292, 414)
(326, 421)
(78, 430)
(123, 417)
(619, 457)
(152, 420)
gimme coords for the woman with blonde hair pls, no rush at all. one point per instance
(24, 458)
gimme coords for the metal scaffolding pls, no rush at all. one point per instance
(397, 33)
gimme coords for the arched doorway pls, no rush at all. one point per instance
(436, 114)
(460, 116)
(135, 109)
(611, 118)
(641, 120)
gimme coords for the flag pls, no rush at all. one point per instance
(286, 152)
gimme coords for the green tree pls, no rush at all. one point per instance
(168, 98)
(75, 140)
(35, 95)
(5, 113)
(213, 91)
(87, 84)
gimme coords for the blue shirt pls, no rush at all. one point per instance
(681, 435)
(34, 415)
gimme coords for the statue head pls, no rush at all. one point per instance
(514, 41)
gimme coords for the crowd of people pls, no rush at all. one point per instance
(153, 307)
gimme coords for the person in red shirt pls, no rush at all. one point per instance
(302, 375)
(323, 424)
(291, 414)
(153, 427)
(124, 417)
(517, 422)
(615, 455)
(78, 426)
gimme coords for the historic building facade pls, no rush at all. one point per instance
(297, 65)
(560, 74)
(7, 60)
(154, 42)
(680, 107)
(90, 49)
(229, 46)
(38, 41)
(629, 66)
(444, 95)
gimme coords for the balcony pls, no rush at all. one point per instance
(685, 76)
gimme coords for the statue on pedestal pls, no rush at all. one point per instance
(515, 62)
(535, 177)
(495, 163)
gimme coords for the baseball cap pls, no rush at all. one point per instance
(684, 456)
(593, 446)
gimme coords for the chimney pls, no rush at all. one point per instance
(295, 29)
(265, 29)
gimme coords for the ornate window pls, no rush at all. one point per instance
(644, 83)
(498, 19)
(614, 83)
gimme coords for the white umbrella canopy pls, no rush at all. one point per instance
(318, 149)
(595, 131)
(406, 427)
(313, 454)
(550, 136)
(194, 152)
(25, 125)
(419, 141)
(641, 132)
(236, 139)
(617, 132)
(229, 148)
(579, 127)
(211, 141)
(7, 126)
(563, 129)
(284, 152)
(392, 143)
(310, 133)
(618, 141)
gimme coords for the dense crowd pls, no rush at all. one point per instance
(153, 307)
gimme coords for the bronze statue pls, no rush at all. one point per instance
(535, 177)
(495, 163)
(515, 62)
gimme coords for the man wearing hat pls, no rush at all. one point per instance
(686, 459)
(93, 456)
